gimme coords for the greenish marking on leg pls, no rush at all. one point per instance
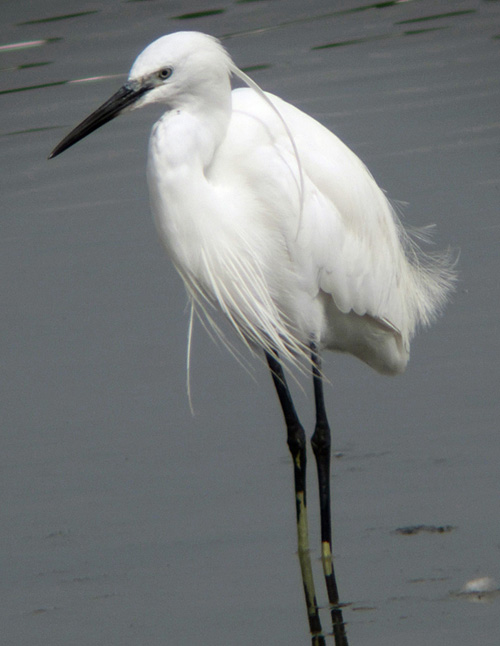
(306, 570)
(326, 558)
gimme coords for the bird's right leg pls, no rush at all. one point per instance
(296, 440)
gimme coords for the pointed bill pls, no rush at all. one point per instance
(125, 97)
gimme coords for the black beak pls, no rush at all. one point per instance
(126, 96)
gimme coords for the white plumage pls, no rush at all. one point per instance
(285, 262)
(270, 218)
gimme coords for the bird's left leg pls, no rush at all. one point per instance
(321, 444)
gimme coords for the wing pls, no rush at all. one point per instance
(346, 237)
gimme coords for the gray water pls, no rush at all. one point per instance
(125, 520)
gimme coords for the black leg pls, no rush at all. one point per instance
(321, 444)
(297, 444)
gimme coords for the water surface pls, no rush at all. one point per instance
(126, 520)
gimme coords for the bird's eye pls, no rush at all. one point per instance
(164, 73)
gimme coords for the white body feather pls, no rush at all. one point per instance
(279, 226)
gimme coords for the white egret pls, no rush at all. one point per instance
(270, 218)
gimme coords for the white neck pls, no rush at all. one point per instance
(182, 147)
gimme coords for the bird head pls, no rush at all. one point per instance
(178, 70)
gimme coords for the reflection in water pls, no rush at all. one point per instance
(339, 631)
(484, 589)
(33, 87)
(199, 14)
(43, 85)
(57, 18)
(24, 66)
(437, 16)
(28, 131)
(367, 39)
(27, 44)
(345, 12)
(419, 529)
